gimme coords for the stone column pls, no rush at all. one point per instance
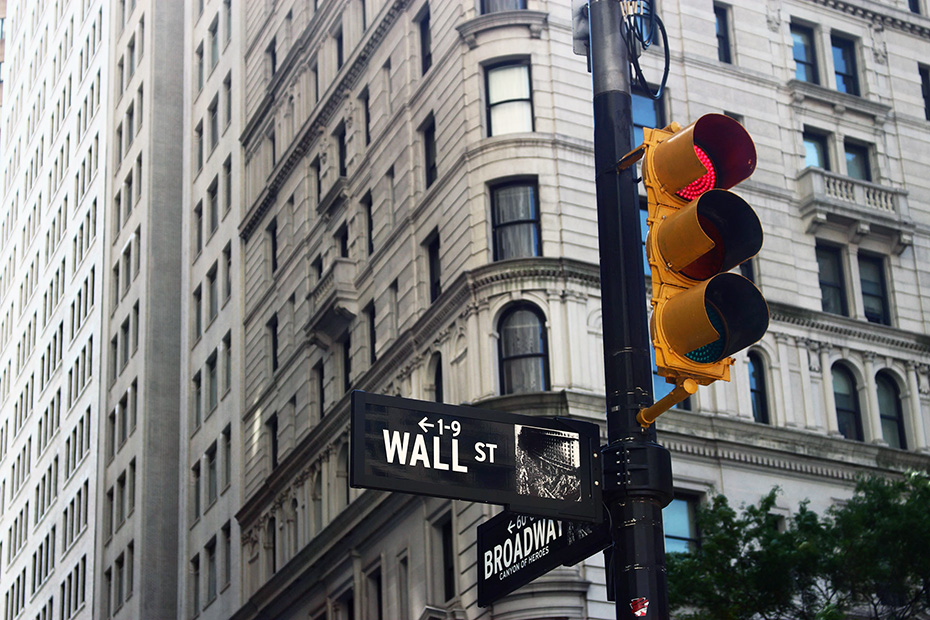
(872, 421)
(829, 404)
(808, 363)
(918, 438)
(786, 406)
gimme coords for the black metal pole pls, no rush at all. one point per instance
(637, 470)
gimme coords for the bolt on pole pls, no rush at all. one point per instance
(637, 470)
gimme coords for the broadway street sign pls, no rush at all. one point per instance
(514, 549)
(532, 465)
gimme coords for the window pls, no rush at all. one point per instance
(227, 99)
(195, 585)
(369, 222)
(199, 64)
(210, 552)
(195, 491)
(429, 151)
(889, 411)
(846, 399)
(227, 554)
(647, 112)
(214, 43)
(805, 59)
(681, 535)
(874, 292)
(271, 54)
(364, 101)
(227, 361)
(214, 116)
(493, 6)
(271, 428)
(213, 206)
(272, 327)
(212, 481)
(197, 401)
(212, 387)
(319, 384)
(760, 407)
(227, 18)
(925, 89)
(342, 241)
(723, 33)
(914, 6)
(272, 233)
(515, 220)
(213, 293)
(844, 65)
(372, 333)
(443, 540)
(434, 266)
(342, 152)
(815, 150)
(375, 595)
(436, 363)
(340, 48)
(426, 44)
(198, 145)
(227, 456)
(523, 350)
(857, 161)
(510, 102)
(832, 284)
(196, 303)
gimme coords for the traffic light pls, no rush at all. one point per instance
(698, 232)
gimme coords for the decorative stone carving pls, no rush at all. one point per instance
(773, 15)
(879, 47)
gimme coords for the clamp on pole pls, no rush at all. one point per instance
(683, 390)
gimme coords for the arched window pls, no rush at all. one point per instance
(848, 418)
(436, 376)
(889, 410)
(523, 352)
(760, 405)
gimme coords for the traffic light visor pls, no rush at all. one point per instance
(715, 319)
(715, 151)
(713, 233)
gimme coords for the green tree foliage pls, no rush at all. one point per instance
(870, 556)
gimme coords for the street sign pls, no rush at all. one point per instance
(539, 466)
(515, 549)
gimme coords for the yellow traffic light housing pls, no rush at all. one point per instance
(698, 231)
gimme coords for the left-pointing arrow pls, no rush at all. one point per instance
(424, 424)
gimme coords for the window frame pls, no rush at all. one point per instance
(722, 30)
(758, 393)
(489, 106)
(896, 417)
(542, 354)
(809, 61)
(839, 285)
(498, 226)
(846, 81)
(882, 294)
(847, 415)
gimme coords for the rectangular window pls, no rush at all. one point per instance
(493, 6)
(874, 291)
(816, 154)
(723, 33)
(857, 161)
(647, 112)
(272, 327)
(346, 347)
(213, 293)
(319, 383)
(227, 361)
(914, 6)
(213, 206)
(210, 552)
(372, 332)
(272, 233)
(227, 553)
(426, 43)
(433, 267)
(844, 65)
(227, 18)
(214, 116)
(340, 49)
(364, 101)
(227, 185)
(199, 66)
(195, 586)
(195, 491)
(515, 220)
(212, 480)
(925, 90)
(443, 567)
(429, 151)
(196, 303)
(227, 100)
(510, 101)
(227, 456)
(369, 222)
(212, 386)
(805, 57)
(198, 146)
(375, 595)
(832, 284)
(271, 54)
(227, 271)
(197, 400)
(214, 43)
(341, 150)
(681, 533)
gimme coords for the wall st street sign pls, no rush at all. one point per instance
(539, 466)
(515, 549)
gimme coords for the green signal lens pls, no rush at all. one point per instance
(711, 352)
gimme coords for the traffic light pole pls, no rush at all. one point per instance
(637, 470)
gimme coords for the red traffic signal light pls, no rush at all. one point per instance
(698, 231)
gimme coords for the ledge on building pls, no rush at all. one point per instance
(536, 21)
